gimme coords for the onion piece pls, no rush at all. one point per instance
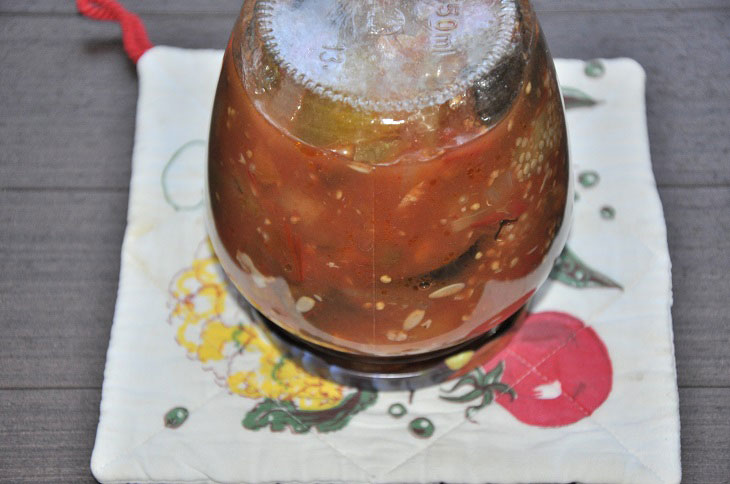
(500, 190)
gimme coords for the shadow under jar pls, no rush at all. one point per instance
(388, 179)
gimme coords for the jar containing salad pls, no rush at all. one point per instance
(388, 180)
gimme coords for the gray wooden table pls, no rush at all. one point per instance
(67, 107)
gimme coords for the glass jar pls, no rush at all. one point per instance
(388, 178)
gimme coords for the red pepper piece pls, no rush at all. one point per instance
(294, 244)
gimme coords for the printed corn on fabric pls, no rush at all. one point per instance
(193, 392)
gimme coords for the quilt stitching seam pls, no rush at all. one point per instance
(460, 423)
(590, 417)
(153, 435)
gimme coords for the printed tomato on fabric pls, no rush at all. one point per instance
(558, 367)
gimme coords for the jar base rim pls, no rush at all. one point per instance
(392, 373)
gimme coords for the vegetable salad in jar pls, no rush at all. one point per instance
(388, 178)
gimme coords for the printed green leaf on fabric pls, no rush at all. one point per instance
(280, 414)
(575, 98)
(483, 384)
(571, 270)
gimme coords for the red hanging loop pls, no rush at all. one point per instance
(134, 35)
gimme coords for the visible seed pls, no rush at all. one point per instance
(426, 324)
(463, 199)
(475, 206)
(413, 319)
(528, 88)
(317, 297)
(304, 304)
(338, 194)
(443, 221)
(385, 279)
(513, 262)
(459, 360)
(360, 167)
(380, 305)
(413, 195)
(294, 219)
(495, 265)
(367, 305)
(396, 335)
(463, 209)
(241, 159)
(509, 125)
(249, 154)
(446, 291)
(267, 221)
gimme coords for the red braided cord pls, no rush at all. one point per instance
(134, 35)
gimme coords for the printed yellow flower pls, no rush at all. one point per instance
(214, 330)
